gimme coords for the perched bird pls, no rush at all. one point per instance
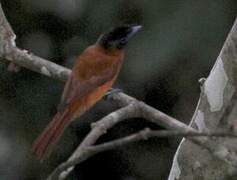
(92, 76)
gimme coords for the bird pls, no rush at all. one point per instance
(92, 76)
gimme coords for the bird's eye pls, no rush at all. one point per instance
(123, 41)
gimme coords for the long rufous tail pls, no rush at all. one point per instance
(45, 143)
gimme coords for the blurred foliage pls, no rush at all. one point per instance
(178, 45)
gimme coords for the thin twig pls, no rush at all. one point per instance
(145, 134)
(98, 129)
(45, 67)
(9, 51)
(134, 109)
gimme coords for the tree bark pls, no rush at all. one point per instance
(216, 110)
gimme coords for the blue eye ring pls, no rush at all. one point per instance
(123, 41)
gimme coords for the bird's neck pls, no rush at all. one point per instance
(109, 51)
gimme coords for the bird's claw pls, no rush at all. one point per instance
(111, 92)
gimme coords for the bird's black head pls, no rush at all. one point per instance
(118, 37)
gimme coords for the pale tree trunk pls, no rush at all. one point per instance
(217, 109)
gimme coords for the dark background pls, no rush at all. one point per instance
(178, 45)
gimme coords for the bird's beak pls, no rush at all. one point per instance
(134, 31)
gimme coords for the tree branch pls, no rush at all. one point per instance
(147, 133)
(91, 150)
(98, 129)
(138, 109)
(133, 108)
(10, 52)
(217, 109)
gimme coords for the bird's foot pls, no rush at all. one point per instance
(111, 92)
